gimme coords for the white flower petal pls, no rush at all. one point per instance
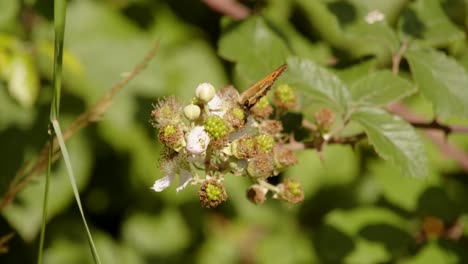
(374, 17)
(197, 140)
(184, 178)
(163, 183)
(216, 103)
(217, 106)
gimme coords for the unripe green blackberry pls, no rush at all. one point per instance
(291, 191)
(172, 136)
(216, 127)
(169, 130)
(244, 147)
(235, 117)
(212, 193)
(262, 108)
(265, 142)
(285, 97)
(238, 113)
(284, 157)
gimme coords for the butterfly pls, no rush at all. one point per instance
(255, 92)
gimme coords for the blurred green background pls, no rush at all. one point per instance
(357, 208)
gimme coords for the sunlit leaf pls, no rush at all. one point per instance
(255, 47)
(8, 12)
(394, 140)
(380, 88)
(318, 83)
(426, 23)
(23, 79)
(441, 80)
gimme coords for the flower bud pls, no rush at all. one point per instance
(205, 92)
(257, 194)
(212, 193)
(192, 112)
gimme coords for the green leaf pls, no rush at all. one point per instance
(354, 73)
(376, 39)
(23, 79)
(316, 174)
(432, 252)
(352, 222)
(183, 60)
(343, 25)
(375, 233)
(8, 14)
(425, 23)
(317, 82)
(157, 235)
(380, 88)
(255, 47)
(389, 179)
(391, 9)
(394, 140)
(69, 246)
(441, 80)
(291, 241)
(12, 114)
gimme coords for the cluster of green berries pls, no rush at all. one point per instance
(216, 127)
(214, 136)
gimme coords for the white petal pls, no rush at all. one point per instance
(197, 140)
(215, 104)
(163, 183)
(184, 179)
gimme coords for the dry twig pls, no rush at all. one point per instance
(27, 172)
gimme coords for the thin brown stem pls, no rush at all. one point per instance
(26, 173)
(397, 58)
(230, 8)
(433, 130)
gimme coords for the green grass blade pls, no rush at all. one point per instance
(68, 164)
(45, 203)
(59, 23)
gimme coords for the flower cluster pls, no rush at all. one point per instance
(214, 136)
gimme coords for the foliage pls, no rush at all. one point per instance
(379, 185)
